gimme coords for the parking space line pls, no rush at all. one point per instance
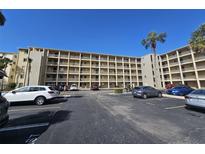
(24, 127)
(33, 109)
(175, 107)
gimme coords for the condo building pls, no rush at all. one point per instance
(61, 67)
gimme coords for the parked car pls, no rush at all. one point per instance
(73, 87)
(95, 87)
(4, 105)
(179, 90)
(38, 94)
(196, 98)
(145, 92)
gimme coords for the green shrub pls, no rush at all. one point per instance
(11, 86)
(118, 90)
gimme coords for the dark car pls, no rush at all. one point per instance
(94, 87)
(4, 105)
(145, 92)
(179, 90)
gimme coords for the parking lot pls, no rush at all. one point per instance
(98, 117)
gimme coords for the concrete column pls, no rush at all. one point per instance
(180, 68)
(195, 68)
(79, 72)
(108, 71)
(130, 73)
(99, 69)
(116, 71)
(58, 68)
(162, 73)
(47, 52)
(68, 69)
(137, 75)
(90, 70)
(169, 69)
(123, 68)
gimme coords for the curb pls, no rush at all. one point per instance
(173, 96)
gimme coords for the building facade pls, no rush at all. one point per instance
(60, 67)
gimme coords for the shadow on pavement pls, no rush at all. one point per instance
(55, 101)
(26, 129)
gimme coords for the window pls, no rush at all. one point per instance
(24, 59)
(21, 76)
(24, 89)
(34, 89)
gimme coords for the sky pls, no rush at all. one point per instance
(117, 32)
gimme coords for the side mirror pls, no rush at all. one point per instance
(13, 92)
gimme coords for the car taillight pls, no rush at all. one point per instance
(51, 92)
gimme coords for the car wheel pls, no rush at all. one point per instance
(134, 96)
(40, 100)
(159, 94)
(144, 96)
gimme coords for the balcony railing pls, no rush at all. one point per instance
(74, 64)
(52, 63)
(63, 72)
(73, 79)
(184, 53)
(74, 57)
(50, 79)
(53, 55)
(186, 61)
(64, 56)
(51, 71)
(197, 58)
(62, 79)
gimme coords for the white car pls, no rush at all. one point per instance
(38, 94)
(73, 87)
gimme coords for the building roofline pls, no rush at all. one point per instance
(86, 52)
(9, 52)
(185, 46)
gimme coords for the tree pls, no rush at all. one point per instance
(151, 42)
(3, 65)
(2, 19)
(197, 41)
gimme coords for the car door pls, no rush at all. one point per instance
(18, 95)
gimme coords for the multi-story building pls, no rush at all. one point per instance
(60, 67)
(183, 66)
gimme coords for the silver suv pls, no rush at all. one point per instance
(145, 92)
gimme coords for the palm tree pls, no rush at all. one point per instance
(151, 42)
(2, 19)
(197, 41)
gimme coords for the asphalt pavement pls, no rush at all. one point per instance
(95, 117)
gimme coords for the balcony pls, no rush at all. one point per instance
(85, 72)
(63, 63)
(64, 56)
(175, 71)
(201, 67)
(84, 80)
(188, 69)
(85, 65)
(184, 53)
(51, 71)
(75, 57)
(186, 61)
(85, 58)
(74, 64)
(52, 63)
(62, 72)
(200, 58)
(173, 64)
(62, 79)
(103, 59)
(53, 55)
(73, 72)
(190, 77)
(73, 79)
(94, 79)
(50, 79)
(172, 56)
(105, 66)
